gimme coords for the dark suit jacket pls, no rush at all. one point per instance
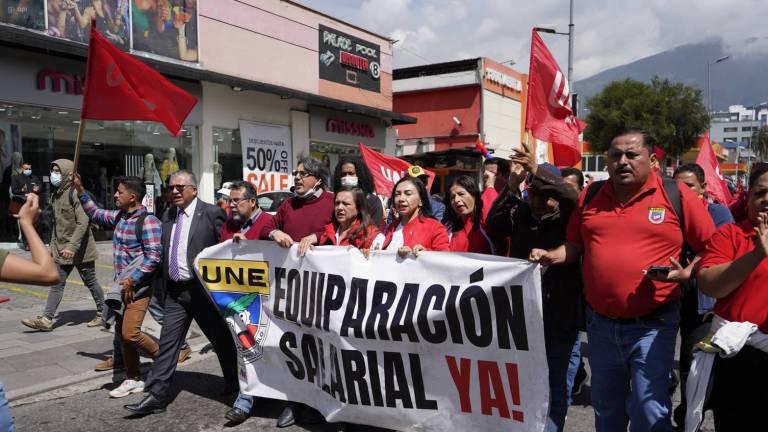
(204, 231)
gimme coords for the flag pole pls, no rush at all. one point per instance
(79, 139)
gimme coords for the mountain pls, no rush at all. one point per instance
(740, 80)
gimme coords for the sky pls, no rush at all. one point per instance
(608, 33)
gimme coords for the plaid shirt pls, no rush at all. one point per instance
(126, 246)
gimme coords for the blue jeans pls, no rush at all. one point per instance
(632, 371)
(6, 419)
(244, 402)
(563, 356)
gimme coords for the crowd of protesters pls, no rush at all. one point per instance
(631, 260)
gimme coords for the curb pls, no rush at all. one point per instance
(88, 381)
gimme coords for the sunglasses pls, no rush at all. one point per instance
(178, 188)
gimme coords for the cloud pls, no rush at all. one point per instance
(608, 33)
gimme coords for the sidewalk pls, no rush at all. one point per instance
(32, 362)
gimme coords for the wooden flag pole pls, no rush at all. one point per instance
(80, 130)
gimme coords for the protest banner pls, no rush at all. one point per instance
(445, 341)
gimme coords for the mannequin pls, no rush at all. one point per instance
(217, 171)
(169, 165)
(150, 174)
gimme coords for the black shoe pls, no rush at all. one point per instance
(236, 416)
(149, 405)
(286, 417)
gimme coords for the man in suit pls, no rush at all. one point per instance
(188, 227)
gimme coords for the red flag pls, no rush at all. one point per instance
(549, 116)
(387, 170)
(120, 87)
(716, 185)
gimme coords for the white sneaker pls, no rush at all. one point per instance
(127, 387)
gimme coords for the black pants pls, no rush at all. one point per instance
(183, 303)
(740, 392)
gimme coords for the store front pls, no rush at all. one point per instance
(40, 98)
(336, 134)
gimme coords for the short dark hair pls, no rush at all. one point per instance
(571, 171)
(364, 177)
(758, 170)
(649, 141)
(316, 168)
(426, 207)
(249, 192)
(470, 185)
(693, 168)
(504, 168)
(133, 185)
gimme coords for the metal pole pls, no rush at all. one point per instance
(570, 50)
(709, 90)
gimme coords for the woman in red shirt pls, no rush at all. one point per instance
(464, 217)
(734, 269)
(415, 229)
(351, 226)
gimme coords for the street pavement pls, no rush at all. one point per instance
(51, 384)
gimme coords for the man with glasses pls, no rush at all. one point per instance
(246, 218)
(188, 227)
(302, 215)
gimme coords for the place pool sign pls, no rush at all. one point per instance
(348, 60)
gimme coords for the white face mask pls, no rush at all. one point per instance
(27, 172)
(349, 181)
(55, 179)
(309, 192)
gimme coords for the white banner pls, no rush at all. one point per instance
(445, 341)
(267, 155)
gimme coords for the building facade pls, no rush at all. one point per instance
(738, 123)
(458, 104)
(265, 72)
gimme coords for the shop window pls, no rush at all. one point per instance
(228, 156)
(109, 150)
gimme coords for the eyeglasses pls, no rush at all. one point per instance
(302, 174)
(237, 201)
(179, 188)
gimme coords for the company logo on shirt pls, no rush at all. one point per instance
(656, 215)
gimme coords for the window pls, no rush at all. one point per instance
(730, 139)
(731, 129)
(763, 117)
(747, 129)
(746, 140)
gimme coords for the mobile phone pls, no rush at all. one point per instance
(663, 270)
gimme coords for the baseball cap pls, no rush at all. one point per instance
(225, 189)
(416, 171)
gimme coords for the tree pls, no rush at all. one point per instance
(759, 143)
(674, 113)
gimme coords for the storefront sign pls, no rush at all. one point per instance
(348, 60)
(66, 19)
(332, 126)
(267, 155)
(71, 84)
(349, 127)
(503, 79)
(23, 13)
(170, 30)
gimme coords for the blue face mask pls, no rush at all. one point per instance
(27, 172)
(55, 179)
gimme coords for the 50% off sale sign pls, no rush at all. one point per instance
(267, 155)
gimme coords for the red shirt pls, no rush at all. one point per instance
(230, 227)
(469, 240)
(329, 236)
(621, 240)
(749, 302)
(488, 196)
(425, 231)
(300, 217)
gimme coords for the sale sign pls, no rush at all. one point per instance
(267, 155)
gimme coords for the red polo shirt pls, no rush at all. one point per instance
(622, 240)
(749, 302)
(469, 239)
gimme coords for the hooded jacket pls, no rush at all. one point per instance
(71, 227)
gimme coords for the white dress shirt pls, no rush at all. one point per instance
(185, 272)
